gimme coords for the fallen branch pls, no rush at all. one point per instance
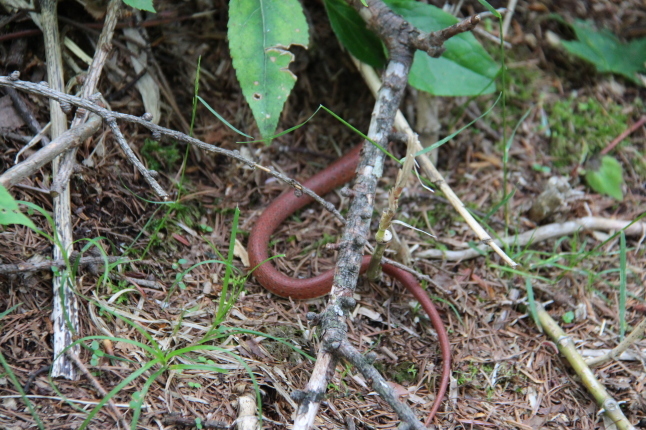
(106, 115)
(540, 234)
(401, 39)
(65, 304)
(6, 269)
(71, 138)
(608, 405)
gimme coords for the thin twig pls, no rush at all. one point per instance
(97, 385)
(540, 234)
(633, 337)
(161, 131)
(623, 135)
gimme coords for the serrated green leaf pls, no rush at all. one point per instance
(607, 52)
(146, 5)
(9, 212)
(260, 34)
(465, 68)
(351, 30)
(605, 177)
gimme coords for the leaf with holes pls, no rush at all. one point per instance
(146, 5)
(260, 35)
(605, 176)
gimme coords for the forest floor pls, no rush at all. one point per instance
(506, 373)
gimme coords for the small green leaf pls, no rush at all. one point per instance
(351, 30)
(605, 177)
(568, 317)
(607, 52)
(9, 212)
(146, 5)
(260, 34)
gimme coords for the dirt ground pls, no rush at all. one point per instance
(506, 373)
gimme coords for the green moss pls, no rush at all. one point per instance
(582, 126)
(405, 371)
(158, 156)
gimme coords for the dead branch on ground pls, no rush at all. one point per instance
(402, 40)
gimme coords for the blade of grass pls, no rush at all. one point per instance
(622, 285)
(18, 388)
(222, 310)
(224, 121)
(116, 389)
(137, 404)
(452, 135)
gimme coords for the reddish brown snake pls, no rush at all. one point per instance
(335, 175)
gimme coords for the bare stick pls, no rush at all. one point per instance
(65, 306)
(89, 86)
(161, 131)
(6, 269)
(401, 39)
(540, 234)
(431, 171)
(364, 365)
(62, 143)
(132, 157)
(565, 344)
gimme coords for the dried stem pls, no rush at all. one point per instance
(540, 234)
(565, 344)
(633, 337)
(65, 306)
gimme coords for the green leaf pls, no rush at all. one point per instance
(351, 30)
(9, 212)
(465, 68)
(605, 177)
(146, 5)
(490, 8)
(260, 34)
(607, 52)
(568, 317)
